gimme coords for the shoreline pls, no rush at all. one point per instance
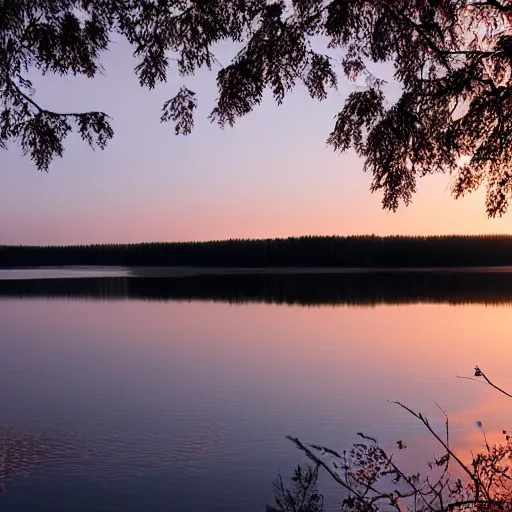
(105, 271)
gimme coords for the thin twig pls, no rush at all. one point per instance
(434, 433)
(480, 373)
(470, 378)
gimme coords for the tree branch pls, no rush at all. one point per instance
(495, 4)
(480, 373)
(40, 109)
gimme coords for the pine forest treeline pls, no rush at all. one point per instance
(308, 251)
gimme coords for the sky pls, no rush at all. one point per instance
(272, 175)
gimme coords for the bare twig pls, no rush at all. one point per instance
(480, 373)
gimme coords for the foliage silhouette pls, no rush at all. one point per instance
(373, 480)
(304, 497)
(307, 251)
(451, 58)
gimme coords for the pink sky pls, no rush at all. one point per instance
(272, 175)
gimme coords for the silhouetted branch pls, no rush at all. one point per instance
(480, 373)
(367, 467)
(443, 443)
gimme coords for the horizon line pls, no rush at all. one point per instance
(262, 239)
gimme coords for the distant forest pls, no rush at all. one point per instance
(308, 251)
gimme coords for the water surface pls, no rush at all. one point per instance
(131, 394)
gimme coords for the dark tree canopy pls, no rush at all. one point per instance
(453, 59)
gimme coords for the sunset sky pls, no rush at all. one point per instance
(272, 175)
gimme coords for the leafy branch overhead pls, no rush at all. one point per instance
(452, 58)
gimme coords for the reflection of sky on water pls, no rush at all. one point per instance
(19, 455)
(190, 402)
(62, 272)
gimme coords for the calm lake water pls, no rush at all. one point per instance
(122, 393)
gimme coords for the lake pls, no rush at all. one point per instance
(123, 391)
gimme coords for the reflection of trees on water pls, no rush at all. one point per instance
(357, 289)
(19, 454)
